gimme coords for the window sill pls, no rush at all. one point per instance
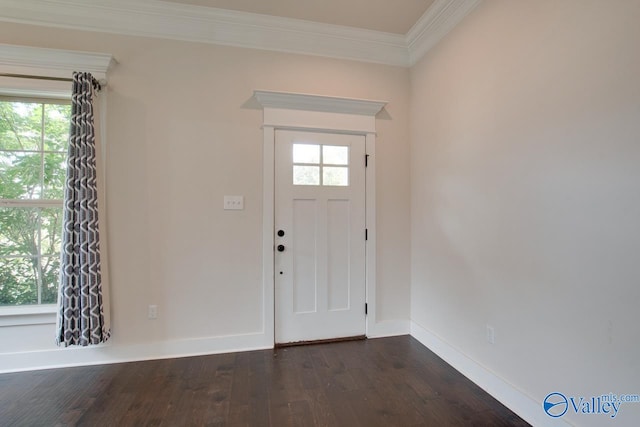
(29, 315)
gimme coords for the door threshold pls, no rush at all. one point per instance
(325, 341)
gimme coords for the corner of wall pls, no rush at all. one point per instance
(511, 397)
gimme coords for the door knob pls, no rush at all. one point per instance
(280, 233)
(280, 248)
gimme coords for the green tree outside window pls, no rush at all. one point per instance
(33, 150)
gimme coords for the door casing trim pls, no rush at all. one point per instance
(290, 111)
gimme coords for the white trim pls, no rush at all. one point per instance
(268, 244)
(320, 121)
(159, 19)
(388, 328)
(43, 314)
(112, 353)
(370, 224)
(306, 102)
(36, 61)
(516, 400)
(441, 17)
(21, 310)
(284, 110)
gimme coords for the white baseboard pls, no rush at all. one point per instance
(527, 408)
(111, 352)
(389, 328)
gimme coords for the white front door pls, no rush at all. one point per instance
(319, 236)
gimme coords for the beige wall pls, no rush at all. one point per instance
(525, 154)
(182, 133)
(523, 189)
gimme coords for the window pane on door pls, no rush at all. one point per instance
(338, 176)
(306, 175)
(332, 167)
(306, 153)
(335, 155)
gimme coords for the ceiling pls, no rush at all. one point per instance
(391, 16)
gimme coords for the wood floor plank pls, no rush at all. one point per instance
(382, 382)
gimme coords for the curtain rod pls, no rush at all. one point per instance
(99, 84)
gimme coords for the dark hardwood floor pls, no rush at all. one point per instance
(381, 382)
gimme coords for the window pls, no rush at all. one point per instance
(33, 148)
(326, 165)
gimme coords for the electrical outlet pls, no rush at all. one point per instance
(233, 203)
(491, 335)
(153, 312)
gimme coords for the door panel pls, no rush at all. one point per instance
(304, 240)
(338, 256)
(320, 259)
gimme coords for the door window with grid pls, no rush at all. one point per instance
(33, 149)
(316, 164)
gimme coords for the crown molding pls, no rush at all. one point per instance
(153, 18)
(37, 61)
(174, 21)
(441, 17)
(327, 104)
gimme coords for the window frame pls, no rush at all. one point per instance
(36, 203)
(40, 91)
(46, 73)
(321, 165)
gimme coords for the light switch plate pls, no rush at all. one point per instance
(233, 203)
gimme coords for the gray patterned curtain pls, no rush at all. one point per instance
(81, 313)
